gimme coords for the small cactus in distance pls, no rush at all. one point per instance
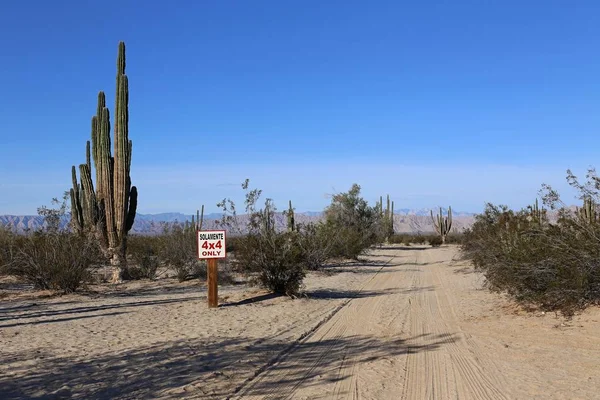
(387, 216)
(291, 221)
(538, 216)
(199, 219)
(268, 218)
(588, 213)
(442, 224)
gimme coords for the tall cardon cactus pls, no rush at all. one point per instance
(108, 212)
(442, 224)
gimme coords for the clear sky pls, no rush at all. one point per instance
(434, 102)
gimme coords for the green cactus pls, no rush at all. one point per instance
(387, 208)
(195, 225)
(291, 222)
(199, 219)
(387, 217)
(587, 213)
(108, 213)
(538, 216)
(442, 224)
(268, 218)
(391, 233)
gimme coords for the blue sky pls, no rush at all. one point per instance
(434, 102)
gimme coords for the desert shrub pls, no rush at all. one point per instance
(454, 238)
(398, 238)
(178, 249)
(54, 260)
(434, 241)
(317, 242)
(232, 243)
(356, 224)
(272, 259)
(276, 259)
(57, 216)
(6, 247)
(144, 252)
(418, 239)
(410, 238)
(555, 266)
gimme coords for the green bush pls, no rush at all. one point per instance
(277, 260)
(555, 266)
(232, 243)
(410, 238)
(454, 238)
(435, 241)
(6, 247)
(317, 242)
(398, 238)
(144, 254)
(54, 260)
(177, 248)
(356, 224)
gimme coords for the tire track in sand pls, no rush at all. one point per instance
(311, 356)
(457, 368)
(399, 339)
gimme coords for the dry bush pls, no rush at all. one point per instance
(177, 248)
(434, 241)
(398, 238)
(317, 242)
(356, 225)
(409, 238)
(272, 259)
(455, 238)
(276, 260)
(6, 246)
(144, 252)
(54, 260)
(555, 266)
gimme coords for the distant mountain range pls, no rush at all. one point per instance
(405, 220)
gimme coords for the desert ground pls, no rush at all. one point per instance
(405, 323)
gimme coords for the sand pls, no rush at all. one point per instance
(408, 323)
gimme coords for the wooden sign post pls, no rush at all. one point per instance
(213, 277)
(211, 247)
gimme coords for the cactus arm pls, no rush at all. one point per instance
(290, 218)
(201, 219)
(121, 155)
(76, 212)
(89, 206)
(88, 161)
(133, 196)
(392, 219)
(435, 222)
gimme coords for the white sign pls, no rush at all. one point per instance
(211, 244)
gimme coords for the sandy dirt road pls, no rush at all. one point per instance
(404, 323)
(423, 328)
